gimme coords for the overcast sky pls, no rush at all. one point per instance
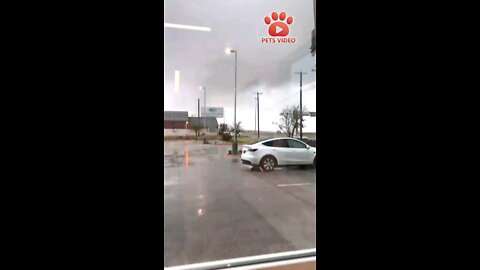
(200, 57)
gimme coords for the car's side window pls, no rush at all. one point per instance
(276, 143)
(269, 143)
(296, 144)
(280, 143)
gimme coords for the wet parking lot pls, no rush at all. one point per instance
(216, 208)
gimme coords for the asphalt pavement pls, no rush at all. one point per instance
(215, 208)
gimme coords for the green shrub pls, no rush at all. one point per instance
(226, 137)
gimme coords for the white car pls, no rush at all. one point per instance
(270, 153)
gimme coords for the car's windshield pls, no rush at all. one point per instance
(238, 72)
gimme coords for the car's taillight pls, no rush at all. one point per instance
(252, 150)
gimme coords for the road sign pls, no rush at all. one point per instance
(216, 112)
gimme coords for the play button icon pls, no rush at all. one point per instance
(278, 29)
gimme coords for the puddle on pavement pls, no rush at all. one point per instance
(203, 152)
(255, 169)
(186, 158)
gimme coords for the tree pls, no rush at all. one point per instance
(286, 125)
(239, 128)
(223, 128)
(196, 128)
(223, 131)
(290, 120)
(296, 118)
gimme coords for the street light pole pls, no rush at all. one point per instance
(235, 146)
(301, 112)
(198, 118)
(204, 105)
(235, 142)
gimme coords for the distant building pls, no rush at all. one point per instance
(175, 120)
(211, 123)
(180, 120)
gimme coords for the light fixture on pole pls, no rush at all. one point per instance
(204, 105)
(235, 142)
(187, 27)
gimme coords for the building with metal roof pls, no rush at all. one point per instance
(175, 116)
(181, 120)
(175, 120)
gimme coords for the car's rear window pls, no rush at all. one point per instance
(260, 140)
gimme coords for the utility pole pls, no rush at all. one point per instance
(301, 112)
(255, 115)
(205, 106)
(198, 119)
(258, 113)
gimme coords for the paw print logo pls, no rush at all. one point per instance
(278, 28)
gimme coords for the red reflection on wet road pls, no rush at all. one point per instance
(187, 159)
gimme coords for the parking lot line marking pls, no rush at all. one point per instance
(299, 184)
(172, 183)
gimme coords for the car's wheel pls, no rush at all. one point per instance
(315, 162)
(268, 163)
